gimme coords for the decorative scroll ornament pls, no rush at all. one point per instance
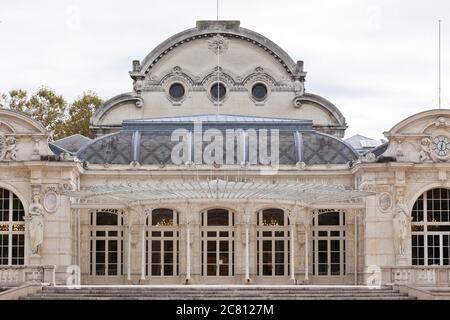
(297, 102)
(218, 44)
(442, 122)
(369, 157)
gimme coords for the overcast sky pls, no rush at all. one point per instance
(377, 60)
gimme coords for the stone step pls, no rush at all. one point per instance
(81, 291)
(217, 293)
(105, 294)
(288, 297)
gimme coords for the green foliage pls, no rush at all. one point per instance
(80, 112)
(49, 109)
(15, 100)
(52, 110)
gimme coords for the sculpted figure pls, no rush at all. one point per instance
(36, 227)
(425, 150)
(10, 149)
(400, 224)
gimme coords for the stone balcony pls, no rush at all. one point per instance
(417, 276)
(13, 276)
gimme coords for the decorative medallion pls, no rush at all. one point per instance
(385, 202)
(218, 44)
(51, 201)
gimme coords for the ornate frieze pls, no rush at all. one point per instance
(199, 84)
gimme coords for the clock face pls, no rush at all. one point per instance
(441, 146)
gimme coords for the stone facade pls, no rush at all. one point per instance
(373, 235)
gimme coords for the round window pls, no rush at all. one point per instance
(176, 91)
(218, 91)
(259, 91)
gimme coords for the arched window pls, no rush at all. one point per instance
(12, 229)
(218, 243)
(430, 228)
(106, 245)
(272, 246)
(162, 246)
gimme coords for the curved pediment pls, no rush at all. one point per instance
(216, 35)
(13, 122)
(423, 137)
(421, 123)
(21, 137)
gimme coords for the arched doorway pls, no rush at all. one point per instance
(218, 244)
(272, 246)
(162, 245)
(12, 229)
(430, 228)
(328, 247)
(106, 243)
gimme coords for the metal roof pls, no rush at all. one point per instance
(219, 118)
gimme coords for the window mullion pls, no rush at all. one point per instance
(10, 219)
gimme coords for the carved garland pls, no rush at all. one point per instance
(197, 84)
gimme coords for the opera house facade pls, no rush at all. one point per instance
(220, 168)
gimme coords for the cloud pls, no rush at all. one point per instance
(375, 59)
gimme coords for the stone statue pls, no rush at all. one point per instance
(10, 149)
(36, 226)
(400, 224)
(425, 150)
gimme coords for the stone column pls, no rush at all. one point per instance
(247, 217)
(355, 239)
(188, 220)
(129, 253)
(128, 225)
(307, 226)
(143, 219)
(188, 253)
(79, 238)
(292, 219)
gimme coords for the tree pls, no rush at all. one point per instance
(80, 112)
(45, 106)
(15, 100)
(49, 109)
(52, 111)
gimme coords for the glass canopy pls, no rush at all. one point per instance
(303, 192)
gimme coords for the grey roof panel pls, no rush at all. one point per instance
(156, 148)
(72, 143)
